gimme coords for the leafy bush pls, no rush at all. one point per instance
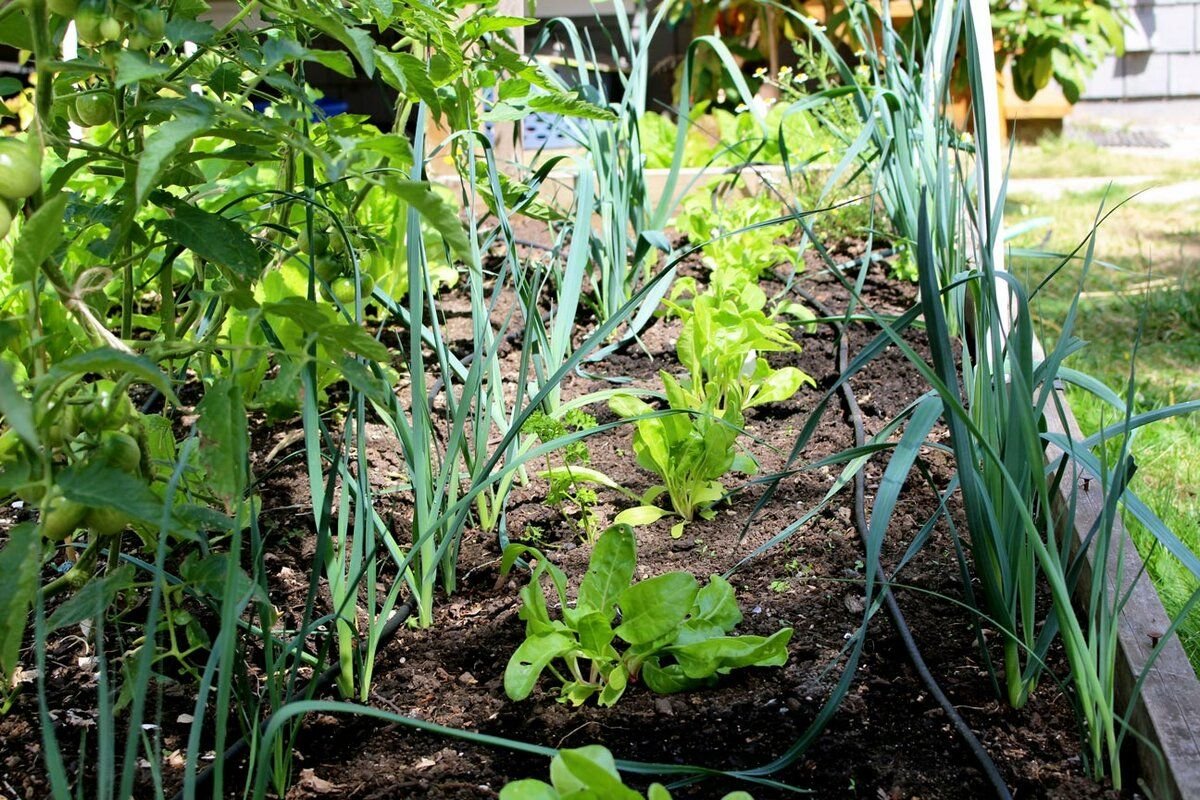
(673, 631)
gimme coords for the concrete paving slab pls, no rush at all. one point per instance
(1054, 188)
(1171, 194)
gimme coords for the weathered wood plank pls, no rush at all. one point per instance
(1167, 711)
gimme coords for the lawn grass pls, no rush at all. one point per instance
(1055, 156)
(1150, 283)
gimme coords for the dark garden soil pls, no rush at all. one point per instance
(887, 740)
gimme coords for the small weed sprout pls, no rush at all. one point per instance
(569, 491)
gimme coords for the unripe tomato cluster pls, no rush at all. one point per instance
(20, 176)
(107, 23)
(334, 269)
(100, 426)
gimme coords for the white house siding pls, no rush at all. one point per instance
(1162, 58)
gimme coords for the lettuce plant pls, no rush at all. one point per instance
(690, 448)
(733, 234)
(666, 631)
(724, 334)
(721, 344)
(587, 773)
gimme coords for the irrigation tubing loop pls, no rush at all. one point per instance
(897, 616)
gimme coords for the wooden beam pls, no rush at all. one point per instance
(1167, 710)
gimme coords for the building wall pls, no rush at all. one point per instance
(1162, 58)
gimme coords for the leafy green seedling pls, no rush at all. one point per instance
(587, 773)
(733, 235)
(570, 487)
(666, 631)
(690, 451)
(722, 341)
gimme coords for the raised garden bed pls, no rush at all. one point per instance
(888, 739)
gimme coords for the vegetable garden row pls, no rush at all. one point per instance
(326, 476)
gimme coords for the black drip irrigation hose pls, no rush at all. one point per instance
(991, 772)
(314, 687)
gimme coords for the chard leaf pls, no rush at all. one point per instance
(610, 571)
(703, 659)
(640, 515)
(527, 663)
(655, 607)
(666, 680)
(589, 772)
(529, 789)
(576, 692)
(717, 603)
(697, 630)
(614, 686)
(595, 634)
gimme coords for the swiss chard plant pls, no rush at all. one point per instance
(584, 773)
(667, 631)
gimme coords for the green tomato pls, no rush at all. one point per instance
(64, 8)
(94, 108)
(73, 115)
(62, 518)
(20, 169)
(319, 245)
(5, 220)
(63, 428)
(139, 41)
(31, 493)
(153, 22)
(343, 290)
(106, 521)
(110, 29)
(88, 19)
(106, 412)
(120, 450)
(329, 269)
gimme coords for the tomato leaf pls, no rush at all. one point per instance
(20, 562)
(40, 235)
(110, 360)
(224, 441)
(171, 139)
(16, 409)
(214, 238)
(134, 67)
(92, 599)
